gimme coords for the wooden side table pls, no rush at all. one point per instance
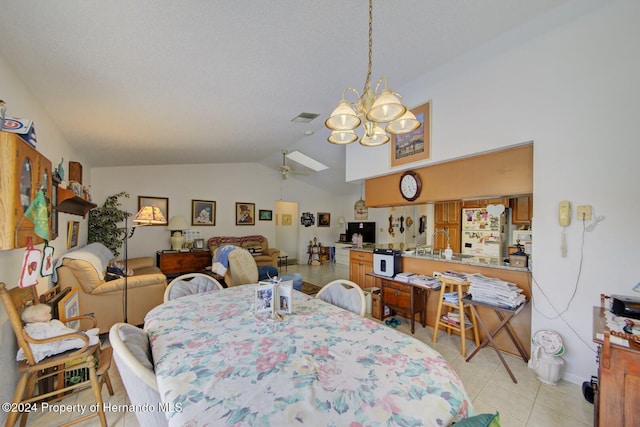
(176, 263)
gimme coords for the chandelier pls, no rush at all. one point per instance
(373, 109)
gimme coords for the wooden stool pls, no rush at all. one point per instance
(450, 285)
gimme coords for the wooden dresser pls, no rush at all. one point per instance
(176, 263)
(618, 378)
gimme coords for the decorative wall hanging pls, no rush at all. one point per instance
(203, 212)
(307, 219)
(47, 261)
(415, 145)
(73, 230)
(324, 219)
(245, 213)
(30, 265)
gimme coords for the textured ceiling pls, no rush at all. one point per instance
(181, 82)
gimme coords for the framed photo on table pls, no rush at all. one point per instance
(161, 203)
(69, 306)
(198, 244)
(416, 145)
(245, 213)
(203, 212)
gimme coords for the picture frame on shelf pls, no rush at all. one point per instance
(161, 203)
(414, 146)
(73, 230)
(324, 219)
(203, 212)
(265, 215)
(245, 213)
(198, 244)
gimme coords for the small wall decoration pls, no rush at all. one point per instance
(161, 203)
(73, 230)
(245, 213)
(30, 266)
(69, 306)
(203, 212)
(307, 219)
(265, 215)
(324, 219)
(47, 261)
(413, 146)
(287, 219)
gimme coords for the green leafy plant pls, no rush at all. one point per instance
(104, 220)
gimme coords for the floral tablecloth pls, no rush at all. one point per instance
(217, 363)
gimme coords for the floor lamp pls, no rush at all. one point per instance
(147, 215)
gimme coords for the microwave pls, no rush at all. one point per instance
(522, 235)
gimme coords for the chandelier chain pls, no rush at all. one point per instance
(367, 82)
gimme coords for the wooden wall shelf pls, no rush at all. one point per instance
(69, 202)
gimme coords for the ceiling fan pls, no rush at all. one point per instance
(286, 170)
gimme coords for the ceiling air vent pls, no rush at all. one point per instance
(304, 117)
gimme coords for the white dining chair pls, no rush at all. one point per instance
(132, 354)
(189, 284)
(345, 294)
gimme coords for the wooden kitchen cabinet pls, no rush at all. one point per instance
(361, 263)
(618, 390)
(23, 171)
(447, 218)
(483, 203)
(522, 210)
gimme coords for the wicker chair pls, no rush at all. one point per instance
(189, 284)
(50, 373)
(345, 294)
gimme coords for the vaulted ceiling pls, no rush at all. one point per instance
(179, 82)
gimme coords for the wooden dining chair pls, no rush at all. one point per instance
(189, 284)
(345, 294)
(62, 370)
(132, 354)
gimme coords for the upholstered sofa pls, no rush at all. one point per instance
(85, 268)
(256, 244)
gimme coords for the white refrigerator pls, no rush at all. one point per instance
(483, 234)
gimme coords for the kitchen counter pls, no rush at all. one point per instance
(479, 261)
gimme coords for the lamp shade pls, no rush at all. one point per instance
(150, 215)
(343, 118)
(387, 107)
(405, 124)
(342, 137)
(378, 137)
(177, 223)
(341, 220)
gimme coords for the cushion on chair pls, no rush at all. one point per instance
(137, 341)
(197, 285)
(266, 272)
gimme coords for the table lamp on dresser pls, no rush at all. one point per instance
(176, 225)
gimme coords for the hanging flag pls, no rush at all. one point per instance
(38, 213)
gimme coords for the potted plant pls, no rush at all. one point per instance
(104, 220)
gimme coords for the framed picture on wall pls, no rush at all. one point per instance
(203, 212)
(161, 203)
(416, 145)
(73, 230)
(245, 213)
(324, 219)
(286, 219)
(69, 306)
(265, 215)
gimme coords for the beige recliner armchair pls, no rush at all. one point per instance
(85, 269)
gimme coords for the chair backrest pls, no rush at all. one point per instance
(345, 294)
(14, 300)
(189, 284)
(242, 268)
(132, 353)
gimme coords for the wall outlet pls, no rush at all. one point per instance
(436, 274)
(584, 213)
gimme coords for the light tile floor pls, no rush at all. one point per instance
(529, 403)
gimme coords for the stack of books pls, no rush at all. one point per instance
(493, 291)
(451, 297)
(404, 276)
(454, 275)
(453, 318)
(425, 281)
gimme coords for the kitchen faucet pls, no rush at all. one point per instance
(433, 239)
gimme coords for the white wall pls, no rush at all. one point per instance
(572, 90)
(225, 184)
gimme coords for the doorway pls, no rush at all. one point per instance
(287, 229)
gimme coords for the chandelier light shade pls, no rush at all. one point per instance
(372, 110)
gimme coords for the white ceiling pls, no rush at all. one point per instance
(151, 82)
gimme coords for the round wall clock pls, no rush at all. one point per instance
(410, 185)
